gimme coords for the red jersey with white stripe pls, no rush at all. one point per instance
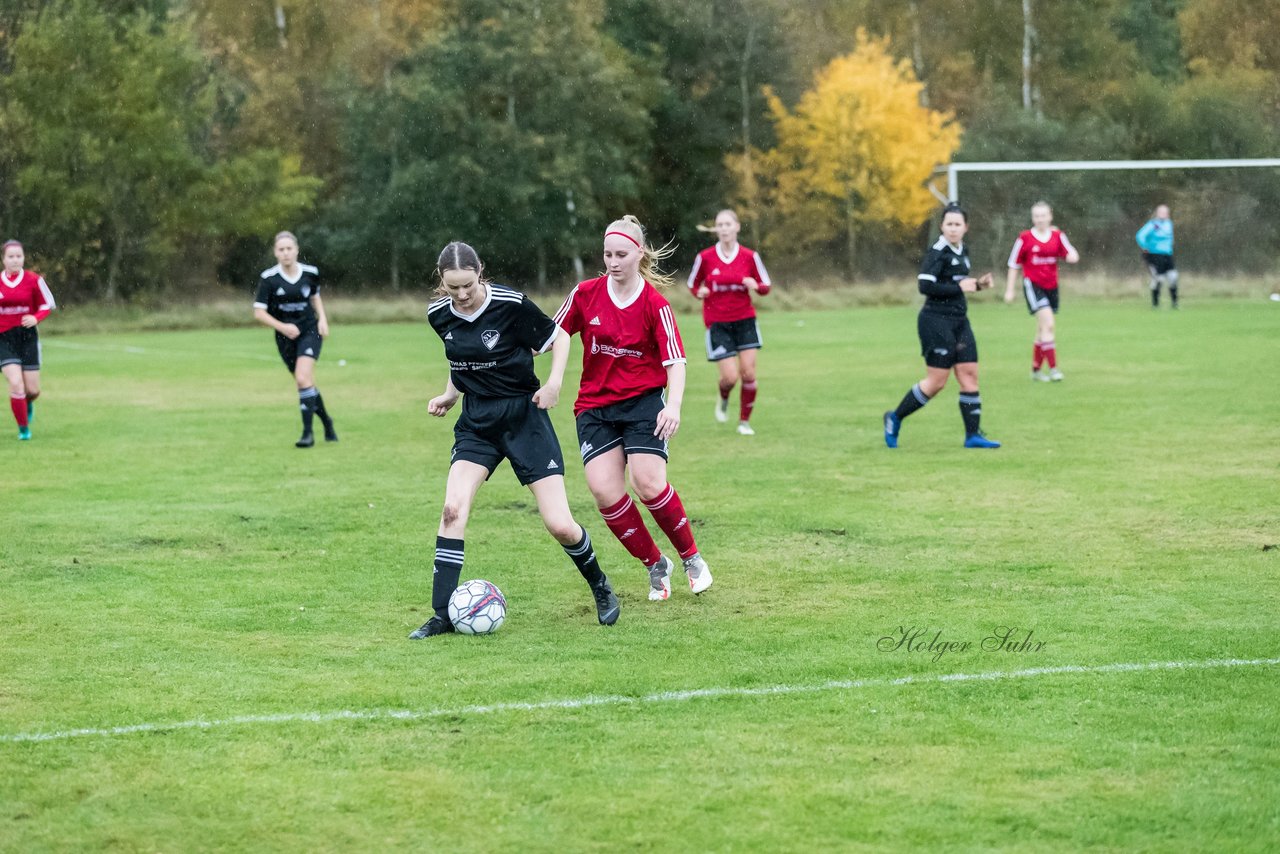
(729, 299)
(24, 294)
(626, 346)
(1039, 258)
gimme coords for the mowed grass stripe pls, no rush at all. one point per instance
(171, 557)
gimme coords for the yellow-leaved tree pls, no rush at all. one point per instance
(856, 151)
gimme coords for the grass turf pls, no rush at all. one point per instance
(171, 557)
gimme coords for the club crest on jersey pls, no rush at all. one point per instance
(306, 291)
(490, 338)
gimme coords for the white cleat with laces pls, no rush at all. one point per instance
(699, 573)
(744, 429)
(660, 580)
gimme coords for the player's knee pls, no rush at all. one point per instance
(1172, 276)
(564, 529)
(32, 392)
(16, 388)
(649, 487)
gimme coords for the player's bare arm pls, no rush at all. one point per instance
(441, 404)
(322, 319)
(548, 395)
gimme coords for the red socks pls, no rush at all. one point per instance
(669, 513)
(624, 520)
(1037, 357)
(747, 402)
(1050, 352)
(19, 407)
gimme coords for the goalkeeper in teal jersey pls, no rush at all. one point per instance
(1156, 241)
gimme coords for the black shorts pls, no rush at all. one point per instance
(726, 339)
(1158, 264)
(630, 424)
(306, 344)
(946, 341)
(20, 346)
(1039, 298)
(492, 429)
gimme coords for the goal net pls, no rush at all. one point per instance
(1226, 213)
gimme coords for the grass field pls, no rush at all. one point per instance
(170, 560)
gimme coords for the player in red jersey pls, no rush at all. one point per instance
(631, 351)
(724, 277)
(1036, 253)
(25, 300)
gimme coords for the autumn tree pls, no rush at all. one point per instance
(114, 165)
(856, 151)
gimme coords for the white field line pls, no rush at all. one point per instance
(646, 699)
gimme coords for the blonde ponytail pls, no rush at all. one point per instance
(631, 228)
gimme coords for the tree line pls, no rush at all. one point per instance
(154, 145)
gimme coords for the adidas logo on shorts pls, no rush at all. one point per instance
(552, 465)
(587, 448)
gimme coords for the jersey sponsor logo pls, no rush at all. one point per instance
(587, 448)
(595, 321)
(490, 338)
(553, 465)
(615, 352)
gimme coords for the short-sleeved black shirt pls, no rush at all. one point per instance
(490, 352)
(288, 301)
(940, 273)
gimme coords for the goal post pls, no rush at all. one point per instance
(1226, 211)
(953, 170)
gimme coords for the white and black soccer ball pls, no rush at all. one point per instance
(477, 607)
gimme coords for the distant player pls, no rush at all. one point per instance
(631, 351)
(288, 300)
(490, 334)
(946, 339)
(724, 277)
(25, 300)
(1156, 241)
(1036, 253)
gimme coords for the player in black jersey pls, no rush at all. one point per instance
(490, 335)
(946, 339)
(288, 300)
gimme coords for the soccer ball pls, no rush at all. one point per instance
(477, 607)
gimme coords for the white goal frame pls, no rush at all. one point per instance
(953, 170)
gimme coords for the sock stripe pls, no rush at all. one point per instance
(625, 505)
(662, 500)
(919, 394)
